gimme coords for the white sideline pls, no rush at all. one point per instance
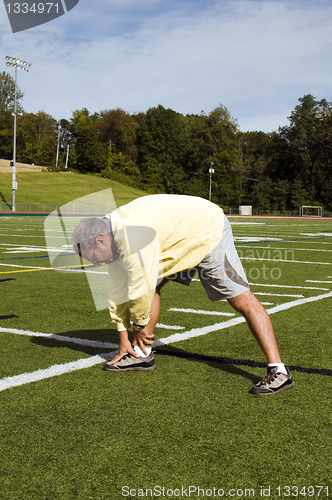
(279, 294)
(316, 281)
(169, 327)
(54, 269)
(196, 332)
(53, 371)
(26, 378)
(283, 260)
(201, 311)
(273, 285)
(61, 338)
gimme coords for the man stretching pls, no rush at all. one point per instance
(159, 238)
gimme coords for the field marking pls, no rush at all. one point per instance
(59, 269)
(21, 271)
(278, 294)
(290, 261)
(169, 327)
(61, 338)
(200, 311)
(288, 249)
(25, 267)
(196, 332)
(53, 371)
(316, 281)
(316, 234)
(293, 286)
(26, 378)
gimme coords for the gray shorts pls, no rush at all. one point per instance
(220, 272)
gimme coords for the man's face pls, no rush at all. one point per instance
(102, 252)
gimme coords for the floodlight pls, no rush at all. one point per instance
(15, 63)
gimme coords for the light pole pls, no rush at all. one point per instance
(15, 63)
(211, 171)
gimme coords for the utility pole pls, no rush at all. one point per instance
(66, 166)
(57, 148)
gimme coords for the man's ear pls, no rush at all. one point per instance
(101, 239)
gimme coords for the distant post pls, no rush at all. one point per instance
(57, 147)
(211, 171)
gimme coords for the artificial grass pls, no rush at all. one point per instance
(87, 434)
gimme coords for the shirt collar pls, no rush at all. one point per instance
(108, 223)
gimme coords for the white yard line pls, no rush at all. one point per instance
(316, 281)
(196, 332)
(289, 261)
(61, 338)
(169, 327)
(27, 267)
(55, 269)
(201, 311)
(278, 294)
(285, 249)
(55, 370)
(292, 286)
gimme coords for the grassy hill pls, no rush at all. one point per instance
(61, 187)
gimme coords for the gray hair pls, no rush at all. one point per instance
(85, 234)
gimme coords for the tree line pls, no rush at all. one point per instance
(161, 150)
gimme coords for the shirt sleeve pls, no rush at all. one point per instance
(133, 282)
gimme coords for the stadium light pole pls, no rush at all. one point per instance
(15, 63)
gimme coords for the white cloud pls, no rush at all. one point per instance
(255, 57)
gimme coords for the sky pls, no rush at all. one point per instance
(256, 57)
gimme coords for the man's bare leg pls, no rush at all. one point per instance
(259, 323)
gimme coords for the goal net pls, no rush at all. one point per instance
(311, 211)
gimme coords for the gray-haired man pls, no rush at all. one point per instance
(161, 237)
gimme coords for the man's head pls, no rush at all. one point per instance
(92, 241)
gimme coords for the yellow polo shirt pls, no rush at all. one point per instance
(157, 236)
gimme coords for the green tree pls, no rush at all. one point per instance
(7, 94)
(214, 138)
(36, 138)
(7, 106)
(308, 141)
(89, 151)
(117, 131)
(161, 149)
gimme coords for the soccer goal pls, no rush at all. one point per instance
(313, 211)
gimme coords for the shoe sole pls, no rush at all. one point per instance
(283, 388)
(109, 368)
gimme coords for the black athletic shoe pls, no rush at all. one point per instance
(273, 383)
(130, 363)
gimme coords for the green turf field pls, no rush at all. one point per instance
(190, 429)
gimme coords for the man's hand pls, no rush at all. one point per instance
(143, 338)
(125, 347)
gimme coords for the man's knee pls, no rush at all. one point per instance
(243, 302)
